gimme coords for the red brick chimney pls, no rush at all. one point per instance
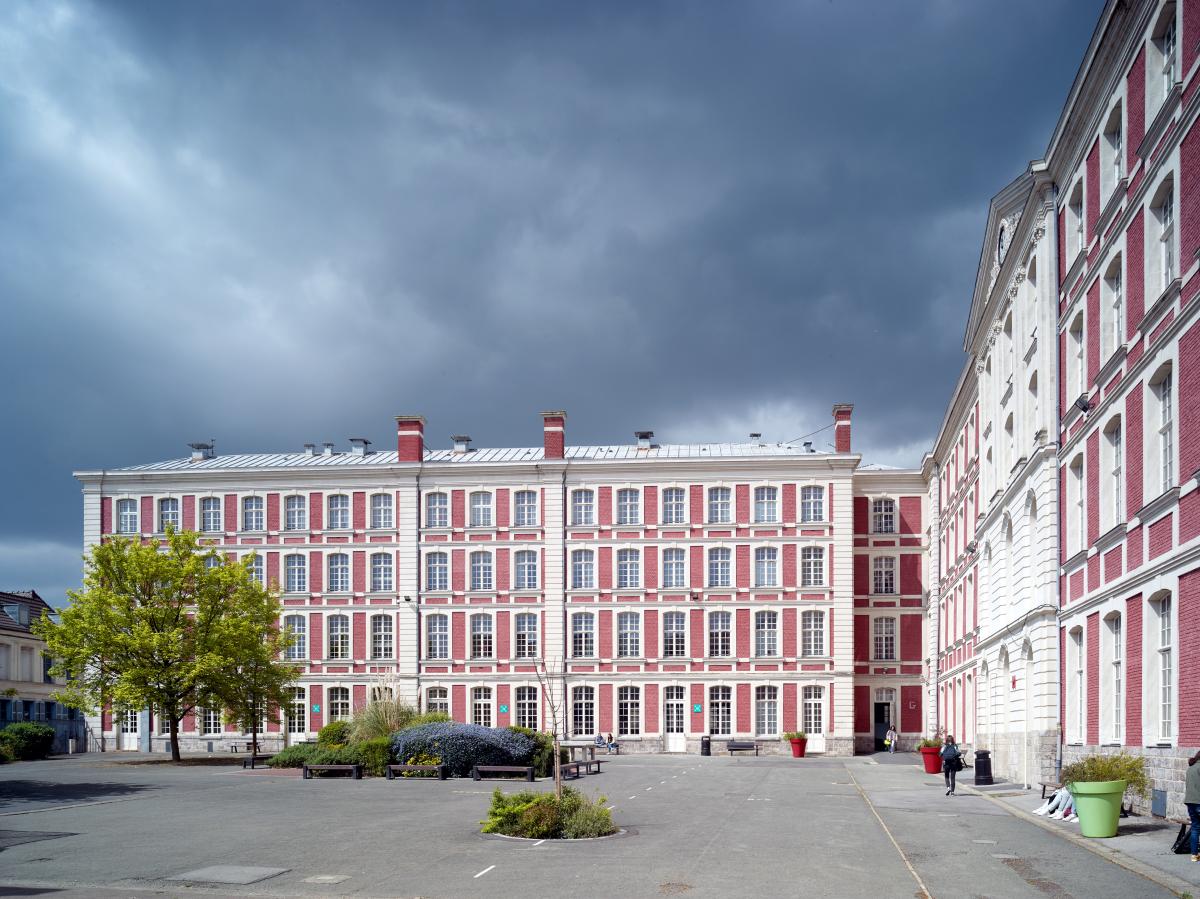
(410, 437)
(841, 419)
(554, 426)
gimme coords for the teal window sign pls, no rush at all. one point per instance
(697, 708)
(316, 706)
(503, 707)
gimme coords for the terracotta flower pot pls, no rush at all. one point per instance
(932, 758)
(798, 748)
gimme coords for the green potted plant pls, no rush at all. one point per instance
(931, 748)
(1098, 783)
(798, 739)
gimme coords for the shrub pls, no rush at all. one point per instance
(294, 756)
(459, 746)
(543, 753)
(929, 743)
(374, 755)
(795, 735)
(540, 816)
(28, 740)
(1117, 766)
(381, 718)
(427, 718)
(421, 758)
(335, 733)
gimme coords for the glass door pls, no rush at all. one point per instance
(673, 718)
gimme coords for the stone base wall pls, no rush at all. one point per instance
(1008, 760)
(1166, 767)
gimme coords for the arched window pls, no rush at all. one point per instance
(481, 636)
(674, 568)
(629, 569)
(339, 513)
(339, 636)
(168, 514)
(437, 572)
(766, 505)
(525, 570)
(252, 514)
(127, 516)
(481, 570)
(339, 703)
(525, 509)
(1162, 429)
(629, 636)
(583, 570)
(1076, 696)
(437, 699)
(1112, 472)
(583, 635)
(719, 567)
(437, 636)
(339, 573)
(720, 710)
(527, 635)
(883, 514)
(210, 514)
(629, 506)
(381, 637)
(674, 634)
(720, 634)
(583, 507)
(674, 506)
(1113, 679)
(812, 633)
(583, 711)
(481, 509)
(812, 504)
(1160, 673)
(629, 711)
(295, 513)
(766, 633)
(437, 510)
(812, 566)
(381, 511)
(766, 566)
(297, 628)
(720, 510)
(526, 707)
(766, 711)
(295, 568)
(884, 575)
(381, 572)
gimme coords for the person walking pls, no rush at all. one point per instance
(891, 739)
(951, 762)
(1191, 799)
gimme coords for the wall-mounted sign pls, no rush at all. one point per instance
(316, 706)
(697, 708)
(503, 708)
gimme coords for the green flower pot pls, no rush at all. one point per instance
(1098, 806)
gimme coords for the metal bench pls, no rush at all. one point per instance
(355, 771)
(393, 770)
(743, 746)
(478, 771)
(1049, 785)
(251, 760)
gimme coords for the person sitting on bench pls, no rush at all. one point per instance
(613, 745)
(600, 741)
(1060, 806)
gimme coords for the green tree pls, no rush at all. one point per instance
(256, 683)
(160, 625)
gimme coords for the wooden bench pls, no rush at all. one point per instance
(594, 763)
(570, 769)
(355, 771)
(478, 771)
(251, 760)
(1049, 785)
(393, 770)
(743, 746)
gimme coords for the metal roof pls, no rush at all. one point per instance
(478, 456)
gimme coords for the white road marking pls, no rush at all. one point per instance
(633, 797)
(539, 842)
(649, 788)
(985, 842)
(484, 871)
(611, 807)
(908, 864)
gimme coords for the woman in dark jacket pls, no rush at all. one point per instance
(951, 760)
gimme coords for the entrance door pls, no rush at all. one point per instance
(883, 720)
(129, 731)
(812, 718)
(673, 718)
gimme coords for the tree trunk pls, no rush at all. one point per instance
(174, 737)
(557, 767)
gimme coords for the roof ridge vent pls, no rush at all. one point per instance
(202, 451)
(310, 449)
(462, 443)
(358, 446)
(326, 449)
(644, 439)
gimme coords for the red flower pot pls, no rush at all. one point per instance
(931, 755)
(798, 748)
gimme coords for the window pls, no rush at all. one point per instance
(257, 569)
(253, 518)
(674, 505)
(526, 569)
(1162, 61)
(885, 575)
(583, 711)
(629, 711)
(1166, 669)
(127, 516)
(766, 711)
(720, 711)
(295, 574)
(1075, 686)
(812, 566)
(210, 720)
(168, 515)
(381, 572)
(1112, 691)
(1074, 364)
(1112, 488)
(674, 626)
(766, 633)
(381, 637)
(812, 504)
(629, 635)
(1112, 311)
(674, 571)
(583, 507)
(437, 572)
(629, 568)
(297, 711)
(812, 633)
(210, 514)
(339, 513)
(718, 567)
(1162, 388)
(629, 507)
(885, 639)
(583, 570)
(527, 707)
(437, 699)
(295, 514)
(719, 511)
(381, 511)
(1165, 215)
(1112, 153)
(339, 703)
(297, 628)
(884, 516)
(437, 637)
(720, 640)
(339, 573)
(583, 635)
(812, 715)
(1077, 522)
(525, 509)
(527, 635)
(481, 570)
(481, 509)
(1075, 238)
(437, 511)
(766, 566)
(481, 636)
(766, 504)
(339, 636)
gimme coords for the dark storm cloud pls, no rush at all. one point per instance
(272, 223)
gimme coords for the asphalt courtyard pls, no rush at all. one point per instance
(704, 827)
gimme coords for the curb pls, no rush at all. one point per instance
(1167, 881)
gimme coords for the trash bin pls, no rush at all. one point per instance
(983, 768)
(706, 745)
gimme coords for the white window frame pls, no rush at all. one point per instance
(883, 639)
(168, 514)
(437, 510)
(127, 516)
(383, 644)
(629, 635)
(583, 507)
(674, 505)
(812, 566)
(812, 504)
(338, 581)
(766, 505)
(382, 517)
(525, 569)
(583, 635)
(295, 512)
(812, 633)
(481, 633)
(382, 568)
(720, 505)
(583, 569)
(482, 711)
(629, 711)
(629, 506)
(719, 634)
(481, 571)
(338, 512)
(883, 516)
(766, 566)
(254, 514)
(297, 648)
(674, 574)
(766, 710)
(720, 567)
(295, 575)
(525, 707)
(211, 514)
(525, 637)
(437, 571)
(721, 718)
(437, 699)
(766, 634)
(480, 510)
(341, 649)
(437, 636)
(883, 576)
(629, 569)
(525, 509)
(674, 642)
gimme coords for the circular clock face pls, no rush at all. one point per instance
(1002, 243)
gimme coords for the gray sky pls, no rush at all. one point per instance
(273, 223)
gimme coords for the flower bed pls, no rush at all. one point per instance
(542, 816)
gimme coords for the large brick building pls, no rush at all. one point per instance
(669, 591)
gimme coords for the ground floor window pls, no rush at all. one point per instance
(583, 711)
(481, 706)
(437, 699)
(629, 711)
(766, 711)
(339, 703)
(297, 711)
(527, 707)
(720, 710)
(814, 710)
(210, 721)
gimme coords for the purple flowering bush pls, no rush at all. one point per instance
(460, 746)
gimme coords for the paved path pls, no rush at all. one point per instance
(704, 827)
